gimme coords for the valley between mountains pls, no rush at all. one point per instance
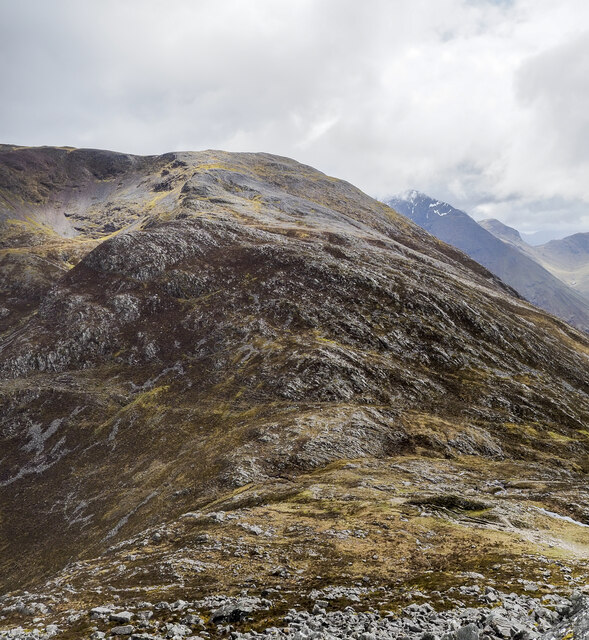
(239, 396)
(553, 276)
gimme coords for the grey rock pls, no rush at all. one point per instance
(122, 630)
(576, 620)
(468, 632)
(524, 634)
(501, 625)
(121, 616)
(193, 620)
(235, 610)
(173, 630)
(145, 615)
(252, 528)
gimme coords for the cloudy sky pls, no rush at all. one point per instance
(483, 103)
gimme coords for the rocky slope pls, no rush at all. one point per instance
(229, 375)
(521, 269)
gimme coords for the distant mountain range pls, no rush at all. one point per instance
(567, 258)
(553, 276)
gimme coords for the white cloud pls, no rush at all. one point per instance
(483, 103)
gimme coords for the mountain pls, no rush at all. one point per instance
(567, 258)
(519, 270)
(503, 232)
(535, 239)
(232, 386)
(541, 237)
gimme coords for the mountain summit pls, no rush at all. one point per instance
(228, 374)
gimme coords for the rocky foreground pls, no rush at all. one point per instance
(500, 616)
(373, 550)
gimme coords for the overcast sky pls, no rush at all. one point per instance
(483, 103)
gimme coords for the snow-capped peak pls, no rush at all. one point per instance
(436, 208)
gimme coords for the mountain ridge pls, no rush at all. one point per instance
(257, 344)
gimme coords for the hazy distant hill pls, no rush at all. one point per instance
(503, 232)
(566, 258)
(505, 259)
